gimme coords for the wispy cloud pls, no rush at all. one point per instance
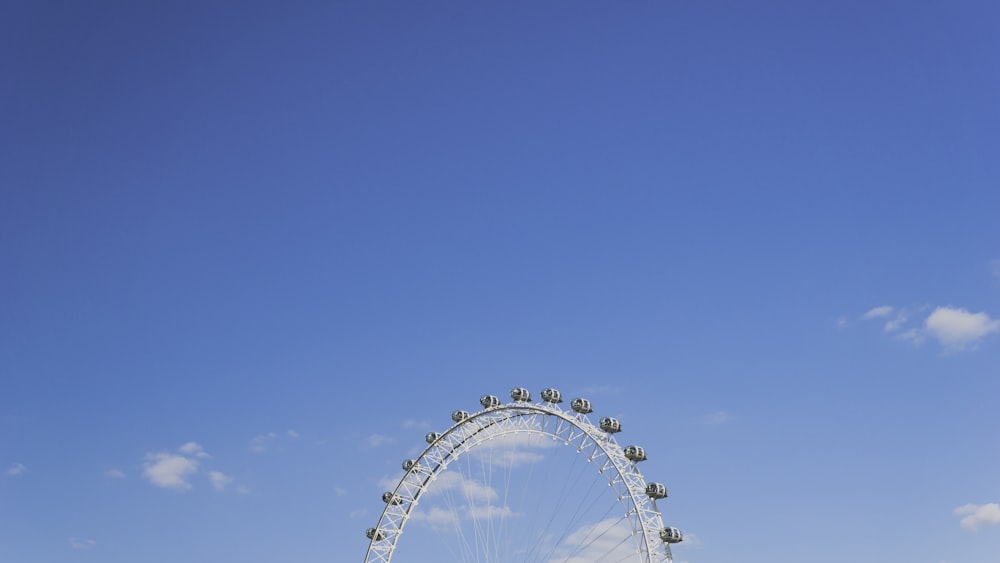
(269, 440)
(716, 418)
(262, 442)
(876, 312)
(114, 473)
(193, 449)
(489, 511)
(976, 516)
(16, 469)
(423, 424)
(362, 513)
(513, 450)
(81, 543)
(691, 539)
(219, 480)
(378, 440)
(896, 318)
(897, 322)
(607, 389)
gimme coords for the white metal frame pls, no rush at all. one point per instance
(574, 429)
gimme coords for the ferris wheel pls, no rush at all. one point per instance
(523, 481)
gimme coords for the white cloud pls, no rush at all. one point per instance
(475, 491)
(438, 518)
(193, 449)
(467, 488)
(881, 311)
(81, 543)
(293, 434)
(513, 450)
(979, 515)
(598, 541)
(168, 470)
(114, 473)
(219, 480)
(958, 329)
(954, 328)
(16, 469)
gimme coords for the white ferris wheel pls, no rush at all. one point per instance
(527, 482)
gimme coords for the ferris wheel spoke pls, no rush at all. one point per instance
(586, 499)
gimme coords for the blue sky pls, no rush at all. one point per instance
(253, 252)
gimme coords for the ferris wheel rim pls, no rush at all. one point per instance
(641, 510)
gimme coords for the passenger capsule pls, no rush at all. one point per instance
(656, 490)
(520, 394)
(610, 425)
(635, 453)
(551, 396)
(459, 416)
(671, 535)
(375, 535)
(489, 401)
(389, 498)
(432, 437)
(581, 406)
(411, 465)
